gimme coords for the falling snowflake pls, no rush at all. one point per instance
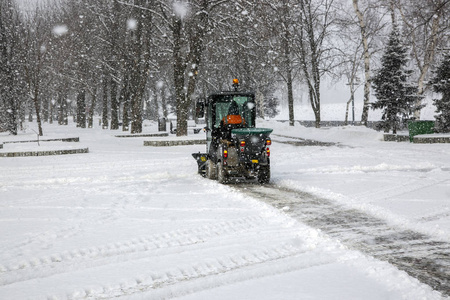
(180, 9)
(131, 24)
(60, 30)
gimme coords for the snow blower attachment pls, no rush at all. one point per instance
(235, 149)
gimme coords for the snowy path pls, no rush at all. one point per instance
(419, 255)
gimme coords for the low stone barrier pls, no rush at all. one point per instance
(44, 153)
(143, 135)
(390, 137)
(174, 143)
(73, 139)
(431, 139)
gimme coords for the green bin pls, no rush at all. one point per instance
(420, 127)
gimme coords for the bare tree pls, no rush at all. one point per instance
(366, 55)
(139, 35)
(12, 91)
(426, 26)
(281, 42)
(313, 50)
(37, 63)
(188, 24)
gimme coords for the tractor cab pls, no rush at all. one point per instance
(225, 112)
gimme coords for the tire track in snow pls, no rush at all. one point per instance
(434, 216)
(108, 214)
(419, 255)
(44, 239)
(55, 263)
(154, 284)
(33, 183)
(98, 172)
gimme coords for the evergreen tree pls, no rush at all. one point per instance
(395, 95)
(441, 85)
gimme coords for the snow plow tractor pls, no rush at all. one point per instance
(235, 149)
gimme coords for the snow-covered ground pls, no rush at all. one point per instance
(132, 222)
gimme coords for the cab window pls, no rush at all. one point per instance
(244, 105)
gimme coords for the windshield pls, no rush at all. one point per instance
(231, 105)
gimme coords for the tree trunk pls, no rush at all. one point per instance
(63, 113)
(164, 103)
(105, 124)
(346, 109)
(153, 105)
(92, 108)
(178, 72)
(125, 99)
(136, 114)
(36, 108)
(429, 55)
(315, 88)
(287, 57)
(314, 98)
(290, 98)
(60, 108)
(115, 101)
(362, 27)
(140, 66)
(196, 51)
(65, 109)
(81, 109)
(50, 120)
(45, 109)
(114, 106)
(12, 118)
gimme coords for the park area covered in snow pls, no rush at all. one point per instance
(132, 222)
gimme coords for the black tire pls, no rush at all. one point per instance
(210, 170)
(264, 174)
(221, 176)
(202, 170)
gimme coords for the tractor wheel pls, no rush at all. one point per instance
(210, 170)
(264, 174)
(202, 170)
(221, 176)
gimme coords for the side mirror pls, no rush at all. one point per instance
(200, 108)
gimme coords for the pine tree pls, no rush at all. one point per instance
(395, 95)
(441, 85)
